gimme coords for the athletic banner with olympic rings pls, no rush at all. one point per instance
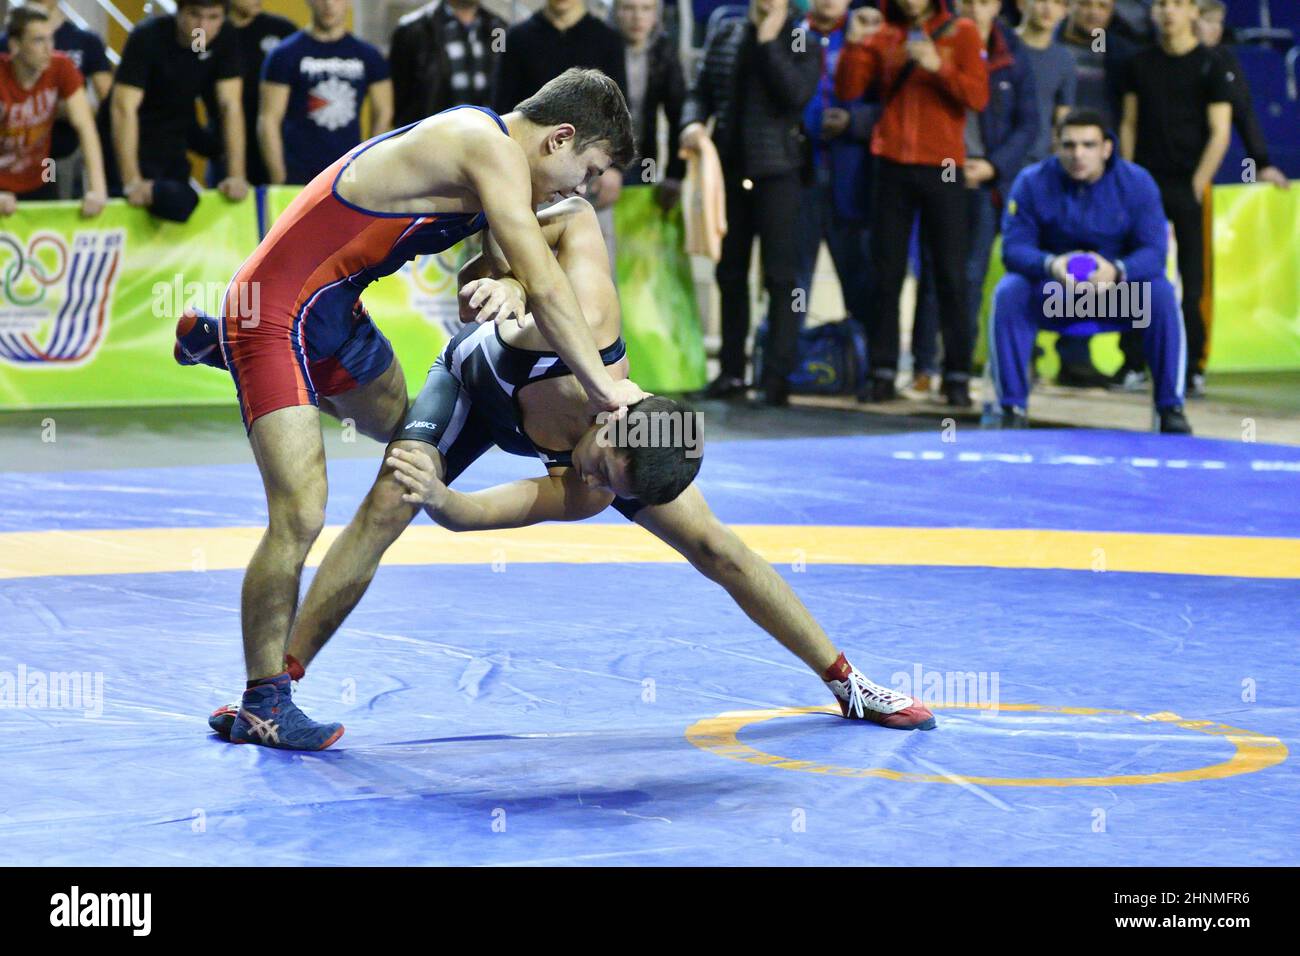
(88, 307)
(43, 280)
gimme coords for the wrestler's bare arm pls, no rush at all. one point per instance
(558, 496)
(573, 232)
(498, 172)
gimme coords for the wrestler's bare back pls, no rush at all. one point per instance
(423, 171)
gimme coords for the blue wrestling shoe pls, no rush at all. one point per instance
(268, 716)
(197, 341)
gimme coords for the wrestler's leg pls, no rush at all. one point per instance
(291, 457)
(351, 562)
(441, 424)
(376, 409)
(689, 526)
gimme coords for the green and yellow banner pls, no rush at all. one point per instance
(88, 308)
(661, 319)
(1256, 318)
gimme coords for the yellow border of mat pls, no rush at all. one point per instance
(1254, 752)
(151, 550)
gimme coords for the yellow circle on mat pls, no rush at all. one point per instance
(1252, 751)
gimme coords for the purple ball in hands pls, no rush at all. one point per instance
(1081, 267)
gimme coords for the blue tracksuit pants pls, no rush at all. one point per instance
(1022, 306)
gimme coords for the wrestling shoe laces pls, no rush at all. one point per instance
(857, 696)
(861, 699)
(223, 718)
(268, 716)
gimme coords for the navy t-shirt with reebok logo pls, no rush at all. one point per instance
(327, 85)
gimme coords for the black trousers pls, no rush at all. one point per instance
(770, 211)
(1185, 213)
(901, 191)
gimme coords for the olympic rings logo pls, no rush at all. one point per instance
(28, 261)
(433, 274)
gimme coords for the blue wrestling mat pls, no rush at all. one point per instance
(1106, 624)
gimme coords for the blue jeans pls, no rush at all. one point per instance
(982, 217)
(847, 239)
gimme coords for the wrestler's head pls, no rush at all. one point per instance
(584, 128)
(651, 454)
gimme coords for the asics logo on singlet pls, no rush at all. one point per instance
(433, 425)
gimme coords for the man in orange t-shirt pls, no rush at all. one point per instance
(37, 86)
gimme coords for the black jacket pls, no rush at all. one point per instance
(666, 87)
(758, 125)
(421, 71)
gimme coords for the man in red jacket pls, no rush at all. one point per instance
(927, 67)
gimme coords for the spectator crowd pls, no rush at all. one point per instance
(896, 132)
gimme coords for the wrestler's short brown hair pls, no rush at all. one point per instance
(592, 104)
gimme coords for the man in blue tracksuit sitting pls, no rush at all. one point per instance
(1084, 241)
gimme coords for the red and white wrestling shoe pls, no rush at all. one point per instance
(862, 699)
(223, 718)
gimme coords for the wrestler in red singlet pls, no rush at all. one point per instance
(309, 334)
